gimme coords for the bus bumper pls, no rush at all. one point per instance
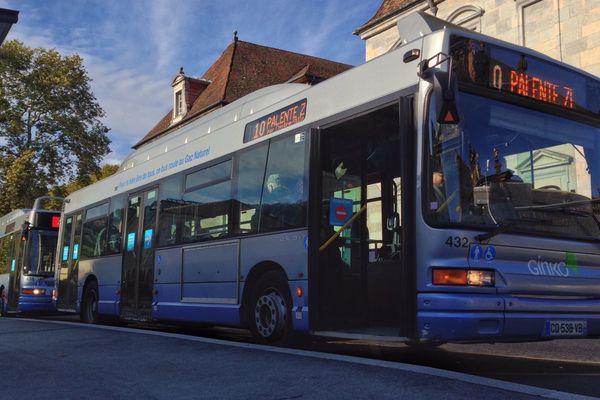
(445, 317)
(35, 304)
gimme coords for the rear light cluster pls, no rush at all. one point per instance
(33, 291)
(463, 277)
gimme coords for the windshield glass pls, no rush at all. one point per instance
(42, 249)
(512, 166)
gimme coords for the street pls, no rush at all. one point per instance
(564, 365)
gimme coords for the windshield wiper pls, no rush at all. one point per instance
(505, 225)
(562, 206)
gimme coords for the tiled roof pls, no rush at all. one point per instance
(244, 68)
(387, 9)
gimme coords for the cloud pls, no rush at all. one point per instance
(133, 49)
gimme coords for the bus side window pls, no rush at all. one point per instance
(115, 227)
(207, 202)
(284, 198)
(93, 242)
(249, 179)
(170, 221)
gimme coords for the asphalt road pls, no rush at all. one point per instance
(564, 365)
(50, 360)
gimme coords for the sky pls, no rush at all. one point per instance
(132, 49)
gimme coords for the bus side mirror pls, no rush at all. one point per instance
(445, 87)
(25, 228)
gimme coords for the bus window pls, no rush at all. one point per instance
(170, 211)
(207, 203)
(5, 243)
(94, 232)
(42, 249)
(284, 196)
(249, 183)
(115, 229)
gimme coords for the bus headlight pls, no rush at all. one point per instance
(463, 277)
(33, 291)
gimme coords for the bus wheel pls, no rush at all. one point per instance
(89, 307)
(270, 310)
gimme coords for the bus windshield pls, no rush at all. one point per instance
(42, 249)
(510, 166)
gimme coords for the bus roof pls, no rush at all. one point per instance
(221, 132)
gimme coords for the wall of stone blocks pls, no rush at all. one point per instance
(567, 30)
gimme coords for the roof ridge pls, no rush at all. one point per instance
(293, 52)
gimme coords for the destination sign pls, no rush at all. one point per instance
(280, 119)
(480, 65)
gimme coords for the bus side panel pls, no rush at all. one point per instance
(167, 302)
(289, 250)
(108, 272)
(210, 273)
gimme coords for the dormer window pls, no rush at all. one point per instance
(186, 90)
(179, 102)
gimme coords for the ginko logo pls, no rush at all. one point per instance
(541, 267)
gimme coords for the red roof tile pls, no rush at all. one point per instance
(244, 68)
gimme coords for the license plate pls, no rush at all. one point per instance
(565, 328)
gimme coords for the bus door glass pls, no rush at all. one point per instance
(138, 260)
(69, 263)
(15, 261)
(359, 270)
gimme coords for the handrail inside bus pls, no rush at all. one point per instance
(342, 229)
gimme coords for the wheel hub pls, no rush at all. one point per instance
(270, 314)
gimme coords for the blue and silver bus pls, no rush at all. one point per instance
(445, 191)
(28, 240)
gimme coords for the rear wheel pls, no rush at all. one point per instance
(270, 308)
(89, 306)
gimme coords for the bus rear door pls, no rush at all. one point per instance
(69, 263)
(137, 280)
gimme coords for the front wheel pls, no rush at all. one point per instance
(89, 306)
(270, 308)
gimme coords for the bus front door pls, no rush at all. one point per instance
(137, 280)
(357, 274)
(14, 280)
(68, 272)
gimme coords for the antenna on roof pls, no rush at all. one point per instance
(432, 7)
(235, 38)
(181, 71)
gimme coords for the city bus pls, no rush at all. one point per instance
(28, 240)
(446, 191)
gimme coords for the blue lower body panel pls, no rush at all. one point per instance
(36, 304)
(446, 317)
(220, 314)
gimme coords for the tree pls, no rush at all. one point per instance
(105, 171)
(50, 127)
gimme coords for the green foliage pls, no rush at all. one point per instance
(104, 172)
(50, 127)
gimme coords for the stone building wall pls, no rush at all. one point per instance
(567, 30)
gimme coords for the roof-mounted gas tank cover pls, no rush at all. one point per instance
(48, 203)
(419, 23)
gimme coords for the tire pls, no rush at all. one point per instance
(89, 306)
(270, 308)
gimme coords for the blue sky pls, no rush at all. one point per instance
(133, 48)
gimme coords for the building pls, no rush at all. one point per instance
(567, 30)
(7, 19)
(241, 69)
